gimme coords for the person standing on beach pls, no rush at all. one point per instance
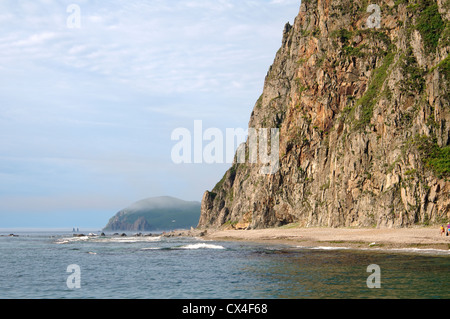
(448, 229)
(442, 230)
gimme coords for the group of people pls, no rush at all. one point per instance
(443, 231)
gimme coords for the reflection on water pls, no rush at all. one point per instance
(188, 268)
(336, 274)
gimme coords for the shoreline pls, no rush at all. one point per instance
(413, 239)
(416, 239)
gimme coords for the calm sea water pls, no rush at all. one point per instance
(34, 266)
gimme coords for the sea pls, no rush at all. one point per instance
(54, 264)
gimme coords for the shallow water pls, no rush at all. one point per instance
(34, 266)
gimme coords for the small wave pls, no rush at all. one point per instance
(128, 240)
(326, 248)
(422, 250)
(202, 246)
(119, 240)
(71, 240)
(62, 242)
(398, 250)
(125, 240)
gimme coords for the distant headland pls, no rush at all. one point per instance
(156, 214)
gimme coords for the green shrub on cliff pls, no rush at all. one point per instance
(430, 24)
(369, 99)
(435, 157)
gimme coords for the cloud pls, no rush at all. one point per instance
(167, 48)
(91, 110)
(35, 39)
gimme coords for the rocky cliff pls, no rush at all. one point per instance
(362, 107)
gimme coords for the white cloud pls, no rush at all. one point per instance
(117, 87)
(124, 40)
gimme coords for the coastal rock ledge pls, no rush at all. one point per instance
(363, 113)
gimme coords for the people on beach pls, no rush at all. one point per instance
(442, 230)
(448, 229)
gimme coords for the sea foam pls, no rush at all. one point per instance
(96, 239)
(202, 246)
(326, 248)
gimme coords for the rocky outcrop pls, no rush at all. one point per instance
(159, 213)
(363, 114)
(120, 223)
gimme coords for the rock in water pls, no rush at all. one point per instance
(153, 214)
(363, 115)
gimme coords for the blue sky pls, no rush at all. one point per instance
(86, 114)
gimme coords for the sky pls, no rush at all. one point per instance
(91, 91)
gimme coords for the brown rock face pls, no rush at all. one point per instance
(364, 117)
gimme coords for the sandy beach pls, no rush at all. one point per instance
(415, 238)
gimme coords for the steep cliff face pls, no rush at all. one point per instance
(363, 113)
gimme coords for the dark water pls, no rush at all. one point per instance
(34, 266)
